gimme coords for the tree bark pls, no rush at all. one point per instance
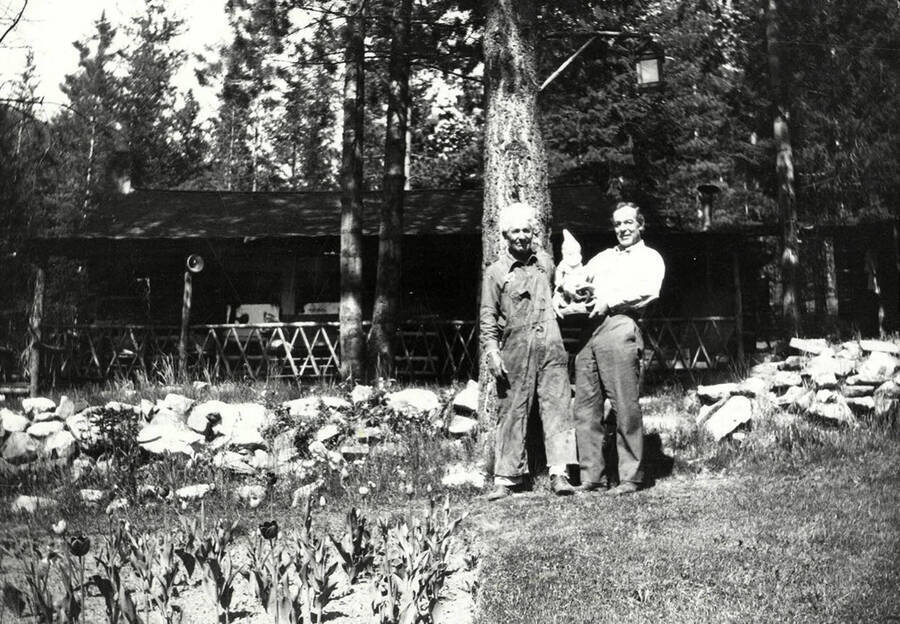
(784, 169)
(352, 339)
(515, 160)
(35, 332)
(390, 235)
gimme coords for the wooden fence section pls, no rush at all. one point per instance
(427, 349)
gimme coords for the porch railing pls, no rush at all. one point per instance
(427, 349)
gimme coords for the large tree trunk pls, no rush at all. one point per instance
(784, 168)
(515, 161)
(352, 339)
(390, 235)
(35, 338)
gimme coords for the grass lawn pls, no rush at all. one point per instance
(814, 540)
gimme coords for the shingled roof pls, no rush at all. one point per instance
(158, 214)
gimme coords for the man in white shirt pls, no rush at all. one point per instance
(626, 279)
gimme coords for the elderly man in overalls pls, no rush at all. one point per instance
(526, 356)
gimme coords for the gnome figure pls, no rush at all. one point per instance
(573, 287)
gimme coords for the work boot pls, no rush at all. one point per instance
(625, 488)
(559, 485)
(499, 492)
(592, 486)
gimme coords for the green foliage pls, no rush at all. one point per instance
(355, 548)
(118, 429)
(41, 599)
(111, 562)
(413, 566)
(210, 553)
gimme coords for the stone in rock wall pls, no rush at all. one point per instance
(877, 368)
(737, 411)
(206, 414)
(65, 409)
(716, 392)
(810, 345)
(824, 364)
(61, 444)
(706, 411)
(857, 391)
(861, 405)
(784, 378)
(46, 428)
(37, 405)
(20, 448)
(753, 387)
(13, 421)
(792, 363)
(178, 403)
(831, 408)
(881, 346)
(792, 396)
(887, 402)
(825, 380)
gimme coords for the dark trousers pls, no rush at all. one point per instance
(609, 366)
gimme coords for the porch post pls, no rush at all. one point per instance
(738, 305)
(34, 331)
(185, 321)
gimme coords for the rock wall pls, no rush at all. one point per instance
(829, 384)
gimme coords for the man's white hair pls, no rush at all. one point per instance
(514, 213)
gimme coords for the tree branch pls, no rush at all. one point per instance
(14, 22)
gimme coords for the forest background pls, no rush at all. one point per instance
(277, 121)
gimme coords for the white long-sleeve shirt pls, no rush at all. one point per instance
(627, 279)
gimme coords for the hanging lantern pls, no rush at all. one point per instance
(649, 66)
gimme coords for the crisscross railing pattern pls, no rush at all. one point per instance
(427, 349)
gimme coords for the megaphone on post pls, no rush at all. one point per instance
(194, 263)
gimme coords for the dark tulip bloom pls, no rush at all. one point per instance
(269, 530)
(79, 545)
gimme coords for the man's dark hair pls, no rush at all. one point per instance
(638, 215)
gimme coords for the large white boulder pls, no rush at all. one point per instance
(61, 444)
(205, 413)
(242, 425)
(736, 411)
(45, 428)
(417, 400)
(13, 421)
(20, 448)
(37, 405)
(168, 438)
(178, 403)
